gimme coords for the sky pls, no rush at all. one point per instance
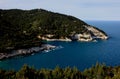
(82, 9)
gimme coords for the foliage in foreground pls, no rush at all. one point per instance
(96, 72)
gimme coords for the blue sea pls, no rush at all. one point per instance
(79, 54)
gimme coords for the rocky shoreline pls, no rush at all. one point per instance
(92, 35)
(24, 52)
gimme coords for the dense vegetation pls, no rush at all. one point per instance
(96, 72)
(20, 28)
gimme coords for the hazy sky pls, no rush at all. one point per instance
(83, 9)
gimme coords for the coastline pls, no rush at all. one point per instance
(24, 52)
(83, 38)
(93, 34)
(66, 39)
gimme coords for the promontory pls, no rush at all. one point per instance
(28, 28)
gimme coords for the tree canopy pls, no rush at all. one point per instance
(99, 71)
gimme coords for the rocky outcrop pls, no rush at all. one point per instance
(49, 38)
(92, 34)
(82, 37)
(28, 51)
(96, 33)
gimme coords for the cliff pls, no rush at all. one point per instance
(92, 34)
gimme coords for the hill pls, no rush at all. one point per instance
(25, 28)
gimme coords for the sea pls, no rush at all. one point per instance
(75, 54)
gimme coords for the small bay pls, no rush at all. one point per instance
(80, 54)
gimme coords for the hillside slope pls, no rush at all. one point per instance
(23, 28)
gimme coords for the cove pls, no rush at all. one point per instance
(80, 54)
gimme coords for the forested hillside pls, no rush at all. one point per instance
(21, 28)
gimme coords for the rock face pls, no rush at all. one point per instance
(97, 33)
(92, 34)
(28, 51)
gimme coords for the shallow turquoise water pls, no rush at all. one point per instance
(80, 54)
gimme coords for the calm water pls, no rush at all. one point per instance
(80, 54)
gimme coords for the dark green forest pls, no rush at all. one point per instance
(99, 71)
(20, 28)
